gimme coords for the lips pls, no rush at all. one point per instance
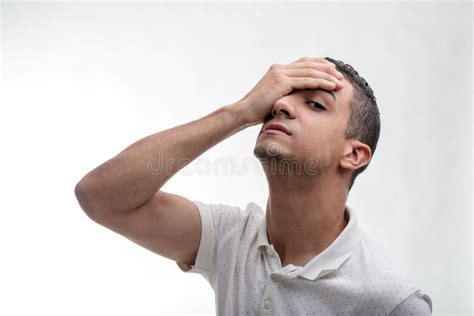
(278, 127)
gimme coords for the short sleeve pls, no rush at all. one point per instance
(205, 255)
(419, 303)
(218, 222)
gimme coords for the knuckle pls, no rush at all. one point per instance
(328, 68)
(317, 66)
(321, 59)
(274, 67)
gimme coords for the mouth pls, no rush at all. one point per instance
(274, 131)
(276, 128)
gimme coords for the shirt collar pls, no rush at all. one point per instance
(330, 258)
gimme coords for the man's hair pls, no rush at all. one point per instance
(364, 120)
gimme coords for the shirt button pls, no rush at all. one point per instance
(275, 277)
(267, 304)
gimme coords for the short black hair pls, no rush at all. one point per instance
(364, 120)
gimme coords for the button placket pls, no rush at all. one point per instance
(267, 304)
(275, 277)
(273, 256)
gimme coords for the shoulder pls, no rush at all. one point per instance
(224, 218)
(222, 225)
(383, 281)
(381, 264)
(219, 210)
(419, 303)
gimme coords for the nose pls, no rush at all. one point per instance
(283, 107)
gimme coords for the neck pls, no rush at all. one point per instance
(304, 216)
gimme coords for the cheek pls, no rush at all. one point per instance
(323, 143)
(318, 149)
(325, 148)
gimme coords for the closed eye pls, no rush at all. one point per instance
(316, 105)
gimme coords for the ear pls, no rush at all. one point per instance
(356, 155)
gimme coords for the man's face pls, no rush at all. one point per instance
(316, 121)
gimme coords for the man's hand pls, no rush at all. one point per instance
(280, 80)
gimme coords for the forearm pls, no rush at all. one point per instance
(129, 179)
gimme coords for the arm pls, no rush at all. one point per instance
(129, 179)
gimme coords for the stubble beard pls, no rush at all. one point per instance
(277, 163)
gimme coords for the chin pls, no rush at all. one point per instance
(269, 151)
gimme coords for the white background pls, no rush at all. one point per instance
(83, 81)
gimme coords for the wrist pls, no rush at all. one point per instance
(239, 112)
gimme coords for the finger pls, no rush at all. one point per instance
(311, 83)
(318, 60)
(315, 59)
(317, 66)
(313, 74)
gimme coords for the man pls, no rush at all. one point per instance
(307, 254)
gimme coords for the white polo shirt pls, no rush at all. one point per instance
(353, 276)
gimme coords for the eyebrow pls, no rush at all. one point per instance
(319, 89)
(315, 90)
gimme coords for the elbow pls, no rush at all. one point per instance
(83, 196)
